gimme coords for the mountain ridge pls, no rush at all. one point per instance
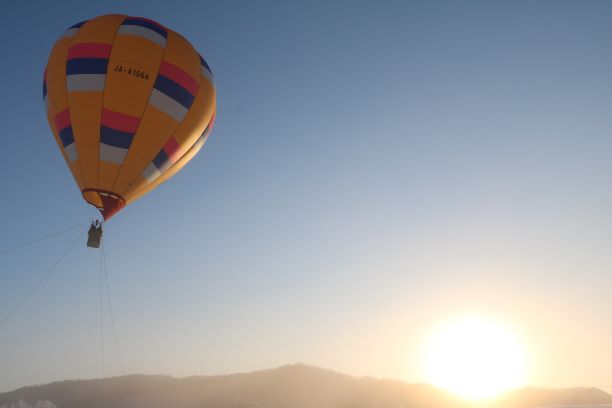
(294, 385)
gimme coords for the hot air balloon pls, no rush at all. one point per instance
(129, 102)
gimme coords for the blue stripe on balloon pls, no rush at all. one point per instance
(87, 66)
(161, 161)
(66, 136)
(203, 62)
(174, 90)
(116, 138)
(78, 25)
(146, 24)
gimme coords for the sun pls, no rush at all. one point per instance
(474, 358)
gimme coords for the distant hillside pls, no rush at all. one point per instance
(295, 386)
(539, 397)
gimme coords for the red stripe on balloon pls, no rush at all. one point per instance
(62, 120)
(179, 76)
(89, 50)
(120, 121)
(171, 148)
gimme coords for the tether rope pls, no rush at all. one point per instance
(101, 298)
(6, 250)
(39, 282)
(110, 310)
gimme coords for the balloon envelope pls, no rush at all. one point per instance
(129, 102)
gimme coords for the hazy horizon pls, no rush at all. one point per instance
(289, 385)
(289, 365)
(377, 173)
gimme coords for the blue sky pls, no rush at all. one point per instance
(375, 167)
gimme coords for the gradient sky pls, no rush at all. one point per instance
(375, 168)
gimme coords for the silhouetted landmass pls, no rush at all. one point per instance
(537, 397)
(294, 386)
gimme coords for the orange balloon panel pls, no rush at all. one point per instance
(129, 102)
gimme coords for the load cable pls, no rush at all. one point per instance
(7, 250)
(12, 311)
(101, 299)
(110, 310)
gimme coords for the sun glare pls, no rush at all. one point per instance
(474, 358)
